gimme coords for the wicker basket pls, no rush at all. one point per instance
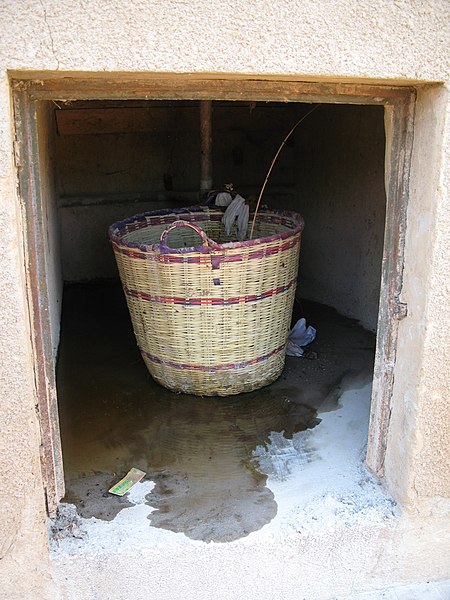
(210, 319)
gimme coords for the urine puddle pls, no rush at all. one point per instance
(197, 451)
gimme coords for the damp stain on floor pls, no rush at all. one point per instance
(197, 451)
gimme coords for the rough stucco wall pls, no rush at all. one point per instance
(418, 455)
(358, 39)
(344, 38)
(24, 565)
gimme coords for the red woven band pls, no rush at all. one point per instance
(210, 301)
(212, 368)
(206, 257)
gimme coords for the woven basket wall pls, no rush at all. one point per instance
(211, 318)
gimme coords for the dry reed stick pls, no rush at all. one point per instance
(273, 163)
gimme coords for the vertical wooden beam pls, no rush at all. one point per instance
(38, 301)
(399, 127)
(205, 146)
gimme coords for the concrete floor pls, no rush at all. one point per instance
(199, 452)
(263, 495)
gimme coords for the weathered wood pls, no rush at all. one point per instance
(399, 122)
(205, 146)
(184, 87)
(38, 301)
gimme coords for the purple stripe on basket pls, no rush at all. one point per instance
(210, 301)
(212, 368)
(197, 214)
(205, 256)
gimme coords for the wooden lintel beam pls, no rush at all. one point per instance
(182, 88)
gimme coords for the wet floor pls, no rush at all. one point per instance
(198, 451)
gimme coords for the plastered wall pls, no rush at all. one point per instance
(418, 454)
(340, 192)
(24, 562)
(395, 42)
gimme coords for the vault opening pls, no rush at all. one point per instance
(102, 160)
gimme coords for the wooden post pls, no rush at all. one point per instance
(205, 146)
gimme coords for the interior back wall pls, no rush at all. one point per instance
(115, 160)
(118, 159)
(341, 194)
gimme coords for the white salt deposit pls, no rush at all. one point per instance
(318, 479)
(138, 492)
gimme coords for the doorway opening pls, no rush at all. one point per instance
(102, 158)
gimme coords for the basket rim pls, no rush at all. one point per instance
(116, 232)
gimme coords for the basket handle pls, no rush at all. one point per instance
(206, 241)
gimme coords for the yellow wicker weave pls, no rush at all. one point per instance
(211, 317)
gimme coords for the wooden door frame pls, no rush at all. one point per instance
(28, 88)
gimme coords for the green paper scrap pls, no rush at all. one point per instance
(124, 485)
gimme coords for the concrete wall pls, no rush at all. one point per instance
(148, 158)
(340, 193)
(419, 436)
(354, 40)
(24, 561)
